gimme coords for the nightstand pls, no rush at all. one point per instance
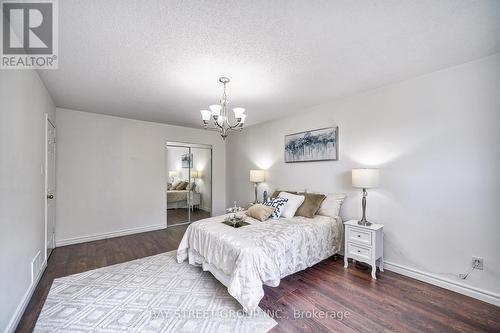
(365, 244)
(194, 200)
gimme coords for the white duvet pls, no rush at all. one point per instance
(245, 258)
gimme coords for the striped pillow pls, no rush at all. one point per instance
(278, 204)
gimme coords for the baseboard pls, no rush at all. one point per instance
(106, 235)
(14, 321)
(458, 287)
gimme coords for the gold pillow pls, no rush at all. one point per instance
(182, 186)
(260, 212)
(311, 204)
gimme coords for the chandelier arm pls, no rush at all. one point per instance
(239, 129)
(217, 124)
(233, 126)
(211, 128)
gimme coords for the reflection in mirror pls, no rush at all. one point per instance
(201, 177)
(189, 188)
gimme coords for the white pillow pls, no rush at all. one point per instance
(293, 203)
(331, 205)
(278, 204)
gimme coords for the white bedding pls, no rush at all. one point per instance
(245, 258)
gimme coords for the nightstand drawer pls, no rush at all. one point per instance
(359, 236)
(359, 251)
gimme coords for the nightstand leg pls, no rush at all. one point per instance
(374, 270)
(345, 261)
(381, 264)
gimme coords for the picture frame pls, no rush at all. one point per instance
(312, 146)
(187, 160)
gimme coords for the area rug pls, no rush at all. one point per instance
(152, 294)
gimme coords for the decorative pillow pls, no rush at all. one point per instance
(293, 203)
(175, 184)
(311, 204)
(277, 192)
(278, 204)
(260, 212)
(182, 186)
(331, 205)
(169, 186)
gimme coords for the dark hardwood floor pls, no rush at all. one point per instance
(179, 216)
(392, 303)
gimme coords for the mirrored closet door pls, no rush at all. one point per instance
(189, 186)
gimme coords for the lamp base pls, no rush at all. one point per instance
(364, 223)
(256, 201)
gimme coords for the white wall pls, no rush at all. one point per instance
(436, 139)
(112, 174)
(24, 101)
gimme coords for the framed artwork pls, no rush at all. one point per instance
(315, 145)
(187, 160)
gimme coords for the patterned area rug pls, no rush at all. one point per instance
(153, 294)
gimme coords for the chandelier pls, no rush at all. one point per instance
(218, 113)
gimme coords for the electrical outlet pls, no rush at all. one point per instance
(477, 262)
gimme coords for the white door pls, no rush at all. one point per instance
(50, 185)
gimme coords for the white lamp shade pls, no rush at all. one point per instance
(238, 112)
(173, 173)
(215, 108)
(257, 176)
(205, 115)
(365, 178)
(194, 174)
(243, 116)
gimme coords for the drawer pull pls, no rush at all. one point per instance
(359, 251)
(359, 236)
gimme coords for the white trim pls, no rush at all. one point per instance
(436, 280)
(46, 180)
(21, 307)
(46, 186)
(106, 235)
(178, 224)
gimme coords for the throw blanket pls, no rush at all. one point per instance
(245, 258)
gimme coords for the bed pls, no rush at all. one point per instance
(179, 199)
(262, 253)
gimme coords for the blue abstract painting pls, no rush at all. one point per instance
(315, 145)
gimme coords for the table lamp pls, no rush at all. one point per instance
(256, 177)
(365, 178)
(172, 175)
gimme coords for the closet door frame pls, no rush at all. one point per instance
(190, 146)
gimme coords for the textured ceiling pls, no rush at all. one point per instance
(161, 60)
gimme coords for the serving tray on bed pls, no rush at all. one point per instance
(236, 225)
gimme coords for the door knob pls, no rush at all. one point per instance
(50, 196)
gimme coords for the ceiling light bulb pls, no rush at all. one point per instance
(238, 112)
(205, 115)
